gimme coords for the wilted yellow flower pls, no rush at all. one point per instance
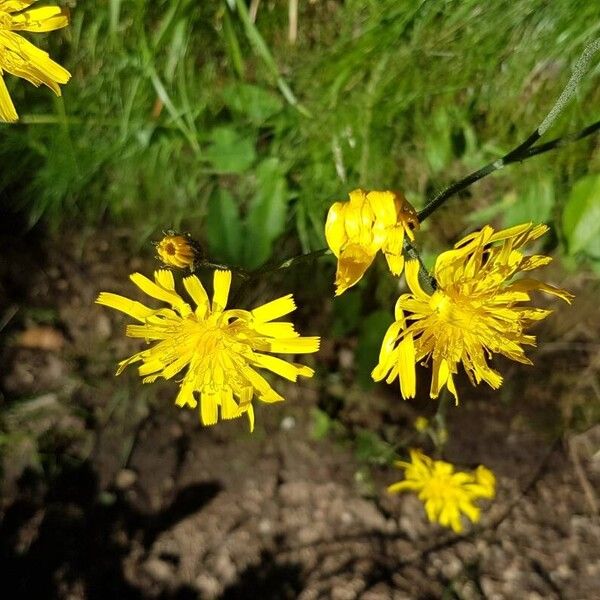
(176, 250)
(21, 58)
(220, 348)
(474, 311)
(358, 229)
(445, 493)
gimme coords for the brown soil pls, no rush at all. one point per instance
(110, 491)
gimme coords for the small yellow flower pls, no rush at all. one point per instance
(474, 311)
(445, 493)
(220, 348)
(176, 250)
(358, 229)
(21, 58)
(421, 424)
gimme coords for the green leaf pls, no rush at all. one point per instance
(266, 213)
(346, 313)
(371, 448)
(534, 204)
(581, 217)
(438, 144)
(321, 424)
(224, 227)
(371, 335)
(256, 103)
(230, 152)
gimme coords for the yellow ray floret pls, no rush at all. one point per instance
(21, 58)
(475, 311)
(446, 494)
(358, 229)
(221, 349)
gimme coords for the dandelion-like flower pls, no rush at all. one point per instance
(176, 250)
(20, 57)
(446, 494)
(474, 312)
(220, 348)
(358, 229)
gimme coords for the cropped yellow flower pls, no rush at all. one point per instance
(358, 229)
(220, 348)
(421, 424)
(445, 493)
(176, 250)
(475, 311)
(21, 58)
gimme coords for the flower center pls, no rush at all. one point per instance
(439, 488)
(461, 314)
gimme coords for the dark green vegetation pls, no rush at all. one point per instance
(186, 114)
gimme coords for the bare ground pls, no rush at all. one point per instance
(111, 492)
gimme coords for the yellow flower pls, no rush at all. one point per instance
(421, 424)
(176, 250)
(21, 58)
(220, 348)
(358, 229)
(445, 493)
(474, 311)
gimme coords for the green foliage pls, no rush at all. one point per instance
(372, 330)
(174, 104)
(229, 152)
(581, 218)
(266, 212)
(248, 241)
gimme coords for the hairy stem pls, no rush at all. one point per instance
(524, 149)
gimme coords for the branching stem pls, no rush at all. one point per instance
(526, 149)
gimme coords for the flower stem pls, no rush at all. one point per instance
(439, 433)
(527, 149)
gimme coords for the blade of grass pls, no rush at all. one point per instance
(262, 50)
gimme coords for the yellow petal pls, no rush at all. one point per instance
(155, 291)
(352, 265)
(265, 392)
(395, 263)
(383, 206)
(15, 5)
(277, 365)
(300, 345)
(130, 307)
(335, 231)
(276, 330)
(406, 367)
(165, 279)
(198, 294)
(411, 273)
(250, 413)
(8, 114)
(274, 309)
(23, 59)
(209, 412)
(221, 285)
(439, 376)
(46, 18)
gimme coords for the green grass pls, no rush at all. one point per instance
(185, 114)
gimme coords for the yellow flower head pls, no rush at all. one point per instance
(475, 311)
(445, 493)
(21, 58)
(358, 229)
(220, 348)
(421, 424)
(176, 250)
